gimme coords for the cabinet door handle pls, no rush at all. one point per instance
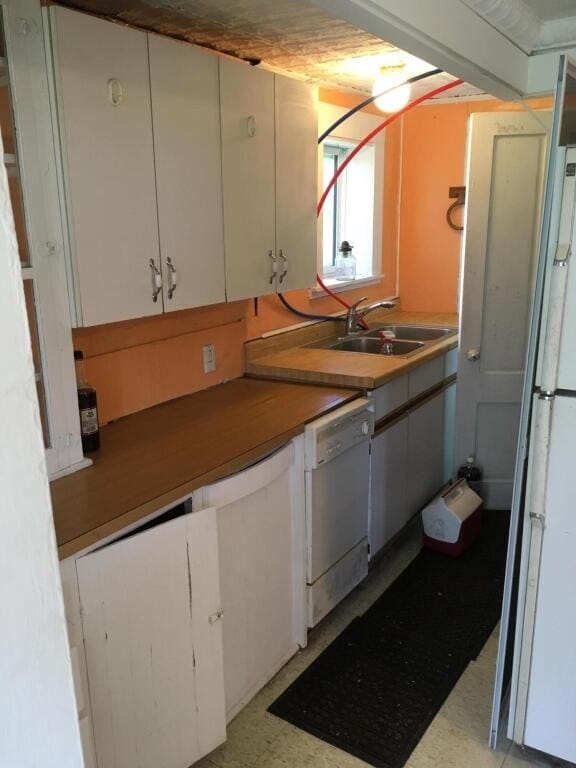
(272, 255)
(284, 265)
(473, 355)
(115, 92)
(172, 277)
(251, 126)
(156, 280)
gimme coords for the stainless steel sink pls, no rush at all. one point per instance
(412, 332)
(394, 348)
(404, 341)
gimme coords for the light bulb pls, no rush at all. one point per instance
(396, 99)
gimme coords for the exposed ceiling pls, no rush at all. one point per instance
(291, 36)
(533, 25)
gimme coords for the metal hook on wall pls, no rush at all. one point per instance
(460, 194)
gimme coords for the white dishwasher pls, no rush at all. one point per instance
(337, 464)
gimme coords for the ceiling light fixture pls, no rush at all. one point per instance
(390, 77)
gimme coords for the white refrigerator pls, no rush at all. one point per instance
(537, 658)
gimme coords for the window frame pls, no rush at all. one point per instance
(350, 133)
(338, 152)
(23, 24)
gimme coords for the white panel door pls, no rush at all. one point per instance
(388, 473)
(103, 91)
(506, 170)
(296, 182)
(425, 453)
(186, 121)
(248, 172)
(261, 542)
(551, 707)
(150, 605)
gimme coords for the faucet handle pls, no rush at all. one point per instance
(353, 306)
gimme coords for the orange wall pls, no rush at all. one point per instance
(433, 159)
(140, 363)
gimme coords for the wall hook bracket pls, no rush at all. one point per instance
(459, 193)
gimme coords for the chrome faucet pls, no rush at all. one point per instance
(355, 316)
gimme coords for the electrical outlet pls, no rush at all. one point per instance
(209, 355)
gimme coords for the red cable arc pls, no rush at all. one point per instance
(361, 145)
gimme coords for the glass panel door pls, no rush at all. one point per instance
(10, 144)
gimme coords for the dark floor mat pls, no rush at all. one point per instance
(377, 687)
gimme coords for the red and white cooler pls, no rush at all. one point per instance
(452, 520)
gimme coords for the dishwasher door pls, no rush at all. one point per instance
(337, 460)
(337, 496)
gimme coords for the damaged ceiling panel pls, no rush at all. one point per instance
(289, 36)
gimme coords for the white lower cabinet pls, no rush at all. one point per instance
(425, 461)
(148, 610)
(261, 530)
(407, 468)
(388, 507)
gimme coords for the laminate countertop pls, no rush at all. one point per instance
(153, 458)
(287, 357)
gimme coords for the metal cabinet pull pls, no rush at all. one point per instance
(473, 355)
(172, 277)
(272, 255)
(156, 280)
(284, 265)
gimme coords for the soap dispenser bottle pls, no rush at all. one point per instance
(345, 262)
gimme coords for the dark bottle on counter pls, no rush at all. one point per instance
(88, 407)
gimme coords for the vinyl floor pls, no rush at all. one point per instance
(456, 738)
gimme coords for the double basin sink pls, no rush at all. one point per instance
(389, 340)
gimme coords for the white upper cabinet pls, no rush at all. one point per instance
(269, 169)
(186, 122)
(296, 182)
(188, 180)
(103, 94)
(248, 160)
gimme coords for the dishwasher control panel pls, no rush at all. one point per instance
(337, 432)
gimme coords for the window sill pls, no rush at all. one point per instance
(339, 286)
(85, 462)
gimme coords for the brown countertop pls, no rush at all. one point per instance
(157, 456)
(275, 358)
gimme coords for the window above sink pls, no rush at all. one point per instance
(353, 211)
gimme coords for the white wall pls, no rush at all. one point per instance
(38, 723)
(543, 71)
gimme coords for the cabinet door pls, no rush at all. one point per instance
(425, 452)
(248, 159)
(388, 506)
(296, 182)
(150, 606)
(186, 120)
(103, 94)
(262, 571)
